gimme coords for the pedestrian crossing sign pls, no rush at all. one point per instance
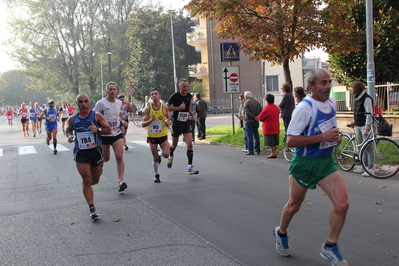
(230, 51)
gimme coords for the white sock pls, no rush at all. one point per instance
(155, 165)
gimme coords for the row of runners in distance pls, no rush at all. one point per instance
(34, 114)
(95, 131)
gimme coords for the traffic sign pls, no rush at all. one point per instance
(230, 51)
(231, 79)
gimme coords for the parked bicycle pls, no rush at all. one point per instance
(137, 118)
(216, 109)
(379, 156)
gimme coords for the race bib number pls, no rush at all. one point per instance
(124, 113)
(52, 117)
(182, 116)
(32, 115)
(23, 114)
(65, 113)
(156, 127)
(85, 140)
(10, 117)
(325, 126)
(115, 126)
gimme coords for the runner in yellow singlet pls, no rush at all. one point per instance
(157, 121)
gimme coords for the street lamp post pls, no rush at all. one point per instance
(173, 52)
(102, 79)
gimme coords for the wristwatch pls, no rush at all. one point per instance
(99, 129)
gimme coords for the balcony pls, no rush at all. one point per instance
(196, 38)
(198, 70)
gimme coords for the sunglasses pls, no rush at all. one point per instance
(83, 101)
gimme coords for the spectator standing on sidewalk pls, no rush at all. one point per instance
(240, 116)
(287, 105)
(252, 108)
(202, 112)
(363, 104)
(271, 125)
(299, 94)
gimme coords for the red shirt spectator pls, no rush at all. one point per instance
(71, 109)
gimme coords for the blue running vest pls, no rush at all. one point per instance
(319, 121)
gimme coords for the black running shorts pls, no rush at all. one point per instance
(179, 128)
(159, 140)
(92, 156)
(110, 140)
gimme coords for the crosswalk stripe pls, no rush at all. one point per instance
(142, 143)
(60, 147)
(1, 152)
(26, 150)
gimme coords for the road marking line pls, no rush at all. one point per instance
(1, 152)
(141, 142)
(26, 150)
(60, 147)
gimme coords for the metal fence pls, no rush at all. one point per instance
(215, 105)
(387, 98)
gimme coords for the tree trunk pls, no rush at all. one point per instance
(92, 84)
(287, 72)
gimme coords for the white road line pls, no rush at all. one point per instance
(1, 152)
(26, 150)
(60, 147)
(141, 142)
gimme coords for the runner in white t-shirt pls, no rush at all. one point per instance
(64, 115)
(110, 108)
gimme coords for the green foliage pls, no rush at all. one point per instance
(279, 31)
(150, 40)
(15, 87)
(198, 86)
(224, 134)
(353, 66)
(61, 42)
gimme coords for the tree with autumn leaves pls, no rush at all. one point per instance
(281, 30)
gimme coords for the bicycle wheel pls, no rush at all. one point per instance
(137, 120)
(288, 152)
(380, 158)
(344, 153)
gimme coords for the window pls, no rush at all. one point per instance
(271, 83)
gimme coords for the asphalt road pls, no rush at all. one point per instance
(223, 216)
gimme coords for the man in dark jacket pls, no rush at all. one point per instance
(201, 109)
(287, 105)
(252, 108)
(363, 104)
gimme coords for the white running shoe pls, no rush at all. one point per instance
(333, 255)
(281, 243)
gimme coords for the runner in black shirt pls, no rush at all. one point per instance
(179, 103)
